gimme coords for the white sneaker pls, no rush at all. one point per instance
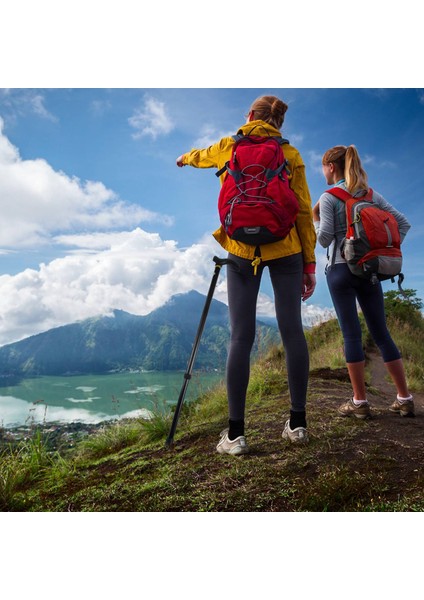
(234, 447)
(298, 435)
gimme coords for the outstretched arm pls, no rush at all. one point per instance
(214, 156)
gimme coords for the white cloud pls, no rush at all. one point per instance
(311, 314)
(8, 153)
(134, 271)
(18, 102)
(210, 135)
(37, 202)
(100, 107)
(368, 159)
(315, 161)
(36, 102)
(295, 139)
(151, 119)
(314, 315)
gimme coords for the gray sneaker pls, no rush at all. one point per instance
(233, 447)
(405, 408)
(298, 435)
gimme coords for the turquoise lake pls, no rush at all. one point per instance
(95, 398)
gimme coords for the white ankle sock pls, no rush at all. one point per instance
(359, 402)
(402, 400)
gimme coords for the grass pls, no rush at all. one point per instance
(325, 344)
(25, 466)
(409, 336)
(110, 439)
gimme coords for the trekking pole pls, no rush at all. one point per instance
(219, 262)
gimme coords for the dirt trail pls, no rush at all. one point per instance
(398, 437)
(387, 392)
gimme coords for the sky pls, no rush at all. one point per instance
(96, 215)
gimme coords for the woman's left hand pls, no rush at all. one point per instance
(309, 283)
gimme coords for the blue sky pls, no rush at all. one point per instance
(96, 216)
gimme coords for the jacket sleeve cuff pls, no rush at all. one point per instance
(309, 268)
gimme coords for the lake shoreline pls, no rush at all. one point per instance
(55, 434)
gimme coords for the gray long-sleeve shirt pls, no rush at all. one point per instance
(331, 228)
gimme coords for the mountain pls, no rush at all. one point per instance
(161, 340)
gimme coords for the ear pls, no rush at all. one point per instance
(251, 116)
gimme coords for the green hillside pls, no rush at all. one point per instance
(349, 465)
(161, 341)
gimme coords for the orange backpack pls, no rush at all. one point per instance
(371, 247)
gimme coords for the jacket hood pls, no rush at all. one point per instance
(259, 127)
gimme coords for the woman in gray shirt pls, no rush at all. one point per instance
(342, 168)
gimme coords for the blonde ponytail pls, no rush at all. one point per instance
(356, 177)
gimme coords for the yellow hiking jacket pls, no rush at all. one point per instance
(302, 237)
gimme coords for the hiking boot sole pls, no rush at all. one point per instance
(353, 414)
(234, 451)
(408, 414)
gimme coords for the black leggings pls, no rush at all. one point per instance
(345, 289)
(243, 288)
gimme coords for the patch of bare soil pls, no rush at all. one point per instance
(398, 438)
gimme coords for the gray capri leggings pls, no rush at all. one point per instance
(243, 288)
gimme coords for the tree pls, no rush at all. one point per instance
(403, 305)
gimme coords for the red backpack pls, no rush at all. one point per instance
(371, 247)
(256, 204)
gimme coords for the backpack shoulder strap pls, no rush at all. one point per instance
(344, 195)
(368, 195)
(339, 193)
(237, 138)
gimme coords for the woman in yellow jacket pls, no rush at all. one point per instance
(291, 264)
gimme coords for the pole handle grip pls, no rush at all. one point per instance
(220, 262)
